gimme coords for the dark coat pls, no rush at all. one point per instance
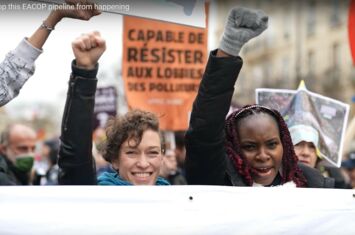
(77, 166)
(206, 160)
(9, 175)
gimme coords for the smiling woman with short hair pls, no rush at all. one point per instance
(133, 145)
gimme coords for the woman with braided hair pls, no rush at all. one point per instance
(253, 146)
(242, 148)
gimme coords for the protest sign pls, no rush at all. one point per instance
(328, 116)
(162, 67)
(105, 105)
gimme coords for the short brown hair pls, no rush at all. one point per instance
(129, 126)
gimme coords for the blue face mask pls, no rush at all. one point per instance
(24, 163)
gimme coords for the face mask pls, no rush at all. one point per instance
(24, 163)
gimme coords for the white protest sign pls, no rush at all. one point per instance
(328, 116)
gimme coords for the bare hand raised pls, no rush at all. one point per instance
(87, 49)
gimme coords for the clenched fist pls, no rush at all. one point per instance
(87, 49)
(242, 25)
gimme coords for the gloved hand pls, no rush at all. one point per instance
(242, 25)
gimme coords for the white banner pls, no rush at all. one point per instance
(175, 210)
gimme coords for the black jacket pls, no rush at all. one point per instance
(9, 175)
(206, 160)
(76, 163)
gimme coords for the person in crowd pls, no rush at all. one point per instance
(305, 139)
(169, 169)
(133, 144)
(349, 166)
(17, 146)
(47, 171)
(252, 147)
(180, 151)
(98, 146)
(19, 64)
(306, 143)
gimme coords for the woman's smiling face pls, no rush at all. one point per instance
(261, 146)
(140, 165)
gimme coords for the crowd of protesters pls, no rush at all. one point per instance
(252, 146)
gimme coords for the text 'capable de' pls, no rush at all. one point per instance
(165, 36)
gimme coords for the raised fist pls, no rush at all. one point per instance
(87, 49)
(242, 25)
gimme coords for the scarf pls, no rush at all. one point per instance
(108, 178)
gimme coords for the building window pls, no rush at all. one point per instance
(311, 78)
(287, 24)
(285, 70)
(335, 13)
(311, 18)
(333, 71)
(311, 62)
